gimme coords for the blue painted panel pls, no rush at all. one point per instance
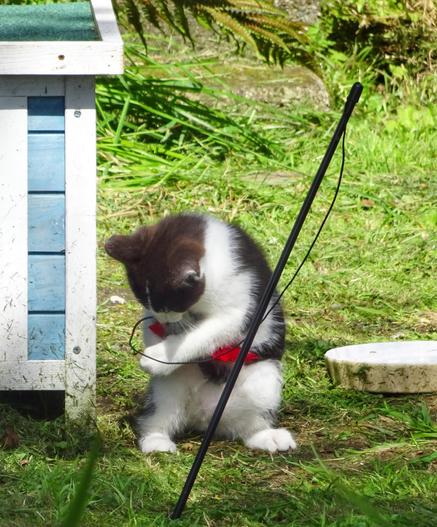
(45, 114)
(46, 282)
(46, 337)
(46, 162)
(46, 222)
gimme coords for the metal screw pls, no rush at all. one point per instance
(76, 350)
(77, 113)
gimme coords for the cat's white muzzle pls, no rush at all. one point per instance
(168, 318)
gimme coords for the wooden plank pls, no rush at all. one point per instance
(61, 58)
(46, 337)
(46, 114)
(32, 375)
(46, 215)
(13, 231)
(46, 162)
(106, 21)
(80, 172)
(46, 283)
(26, 86)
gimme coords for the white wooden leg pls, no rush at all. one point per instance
(80, 187)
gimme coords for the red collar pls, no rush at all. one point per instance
(223, 354)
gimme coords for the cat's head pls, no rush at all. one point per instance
(163, 265)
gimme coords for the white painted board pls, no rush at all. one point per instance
(13, 229)
(80, 234)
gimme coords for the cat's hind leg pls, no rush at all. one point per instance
(252, 409)
(164, 414)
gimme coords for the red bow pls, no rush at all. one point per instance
(224, 354)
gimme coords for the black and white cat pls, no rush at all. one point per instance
(201, 280)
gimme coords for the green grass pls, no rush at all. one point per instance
(364, 460)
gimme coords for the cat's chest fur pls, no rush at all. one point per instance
(202, 395)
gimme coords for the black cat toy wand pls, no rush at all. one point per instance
(351, 101)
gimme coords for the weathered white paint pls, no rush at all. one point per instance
(105, 21)
(32, 375)
(101, 57)
(13, 232)
(11, 86)
(80, 232)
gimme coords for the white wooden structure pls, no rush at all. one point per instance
(47, 205)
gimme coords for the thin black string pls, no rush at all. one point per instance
(305, 258)
(163, 361)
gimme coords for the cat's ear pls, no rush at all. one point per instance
(123, 248)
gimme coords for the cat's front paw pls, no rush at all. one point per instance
(156, 442)
(157, 366)
(272, 440)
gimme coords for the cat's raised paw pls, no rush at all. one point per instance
(272, 440)
(156, 443)
(157, 366)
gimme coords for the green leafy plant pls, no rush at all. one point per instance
(401, 34)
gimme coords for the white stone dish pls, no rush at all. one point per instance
(385, 367)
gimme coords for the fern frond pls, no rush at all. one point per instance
(252, 5)
(257, 23)
(230, 24)
(151, 13)
(268, 36)
(280, 25)
(165, 13)
(134, 18)
(182, 20)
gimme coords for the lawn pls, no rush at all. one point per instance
(363, 459)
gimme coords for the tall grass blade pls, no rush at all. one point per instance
(122, 120)
(77, 506)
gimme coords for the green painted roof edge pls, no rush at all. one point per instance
(48, 22)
